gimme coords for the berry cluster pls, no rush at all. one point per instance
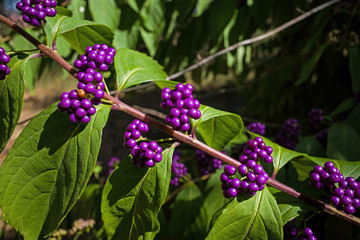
(345, 191)
(315, 117)
(289, 134)
(99, 56)
(74, 103)
(4, 59)
(146, 154)
(257, 128)
(347, 196)
(183, 106)
(325, 177)
(178, 170)
(254, 176)
(292, 232)
(207, 163)
(35, 11)
(91, 85)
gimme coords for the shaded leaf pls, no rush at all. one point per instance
(344, 106)
(132, 198)
(48, 166)
(353, 119)
(11, 98)
(311, 146)
(354, 62)
(189, 217)
(342, 142)
(309, 66)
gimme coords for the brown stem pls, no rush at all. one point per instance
(118, 105)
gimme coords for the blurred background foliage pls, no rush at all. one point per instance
(313, 64)
(305, 66)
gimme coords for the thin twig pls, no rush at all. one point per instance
(254, 39)
(119, 105)
(150, 111)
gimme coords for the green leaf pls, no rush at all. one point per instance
(354, 62)
(133, 68)
(342, 142)
(353, 119)
(309, 66)
(188, 218)
(127, 35)
(105, 12)
(32, 68)
(218, 127)
(201, 6)
(346, 168)
(256, 217)
(132, 198)
(47, 170)
(344, 106)
(78, 8)
(214, 199)
(82, 33)
(166, 83)
(288, 212)
(153, 20)
(311, 146)
(11, 99)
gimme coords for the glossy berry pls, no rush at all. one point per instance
(4, 59)
(182, 106)
(35, 11)
(253, 175)
(145, 154)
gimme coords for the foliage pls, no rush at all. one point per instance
(50, 173)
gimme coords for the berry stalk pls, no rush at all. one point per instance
(118, 105)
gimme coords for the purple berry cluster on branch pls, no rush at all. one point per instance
(4, 59)
(178, 169)
(91, 86)
(79, 108)
(292, 232)
(182, 106)
(145, 154)
(315, 117)
(257, 128)
(253, 175)
(289, 134)
(208, 164)
(35, 11)
(345, 191)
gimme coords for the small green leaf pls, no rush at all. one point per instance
(353, 119)
(288, 212)
(133, 68)
(311, 146)
(354, 62)
(188, 218)
(256, 217)
(47, 170)
(344, 106)
(309, 66)
(201, 7)
(105, 12)
(11, 98)
(218, 127)
(132, 198)
(81, 33)
(343, 142)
